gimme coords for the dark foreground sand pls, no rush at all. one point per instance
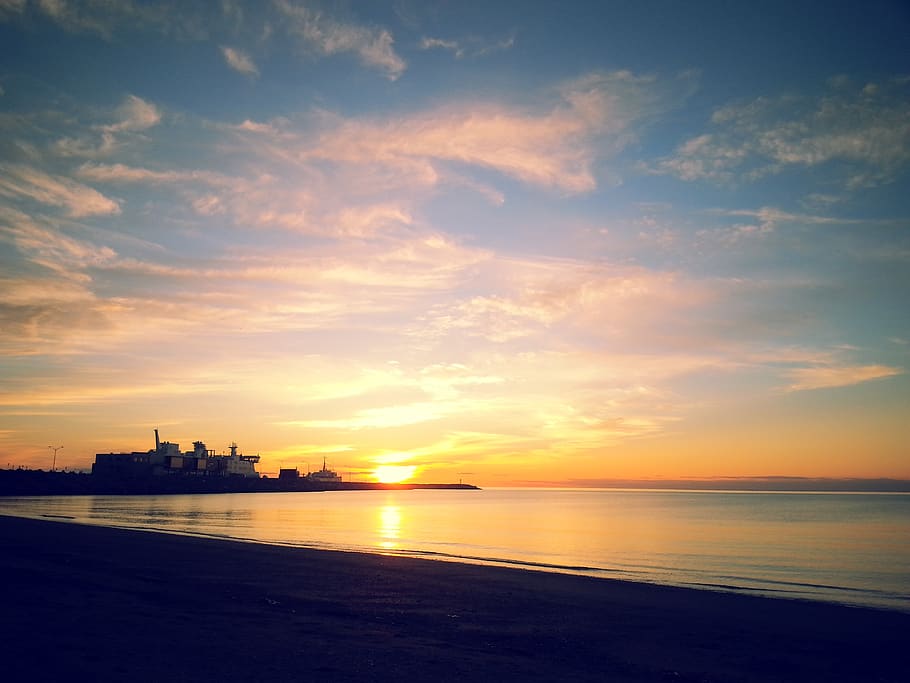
(89, 603)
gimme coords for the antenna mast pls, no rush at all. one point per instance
(55, 449)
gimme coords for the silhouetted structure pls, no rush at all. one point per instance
(324, 476)
(166, 459)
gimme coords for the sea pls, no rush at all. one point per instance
(850, 548)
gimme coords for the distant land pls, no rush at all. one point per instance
(41, 482)
(765, 483)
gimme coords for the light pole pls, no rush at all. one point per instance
(55, 449)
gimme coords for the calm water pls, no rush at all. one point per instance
(850, 548)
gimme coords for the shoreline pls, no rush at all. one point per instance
(111, 604)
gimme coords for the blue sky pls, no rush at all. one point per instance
(566, 241)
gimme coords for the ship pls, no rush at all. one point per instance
(320, 478)
(167, 460)
(324, 476)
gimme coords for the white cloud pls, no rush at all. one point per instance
(327, 36)
(239, 61)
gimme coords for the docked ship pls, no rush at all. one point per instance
(322, 477)
(166, 459)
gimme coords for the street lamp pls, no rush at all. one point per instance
(55, 449)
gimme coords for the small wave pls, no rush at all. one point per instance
(498, 560)
(738, 588)
(796, 585)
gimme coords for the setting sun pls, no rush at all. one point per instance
(393, 474)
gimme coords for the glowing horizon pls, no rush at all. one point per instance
(496, 245)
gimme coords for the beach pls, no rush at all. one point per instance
(95, 603)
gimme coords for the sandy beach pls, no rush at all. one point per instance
(91, 603)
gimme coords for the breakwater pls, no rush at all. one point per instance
(41, 483)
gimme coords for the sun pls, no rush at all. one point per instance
(393, 474)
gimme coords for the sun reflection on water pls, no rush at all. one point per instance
(389, 526)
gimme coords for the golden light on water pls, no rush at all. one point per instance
(394, 474)
(389, 526)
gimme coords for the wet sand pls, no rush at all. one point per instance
(90, 603)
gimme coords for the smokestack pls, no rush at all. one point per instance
(157, 442)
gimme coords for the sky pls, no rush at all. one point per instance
(508, 243)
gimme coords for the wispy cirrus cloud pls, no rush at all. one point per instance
(328, 36)
(22, 182)
(866, 129)
(44, 244)
(761, 223)
(132, 118)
